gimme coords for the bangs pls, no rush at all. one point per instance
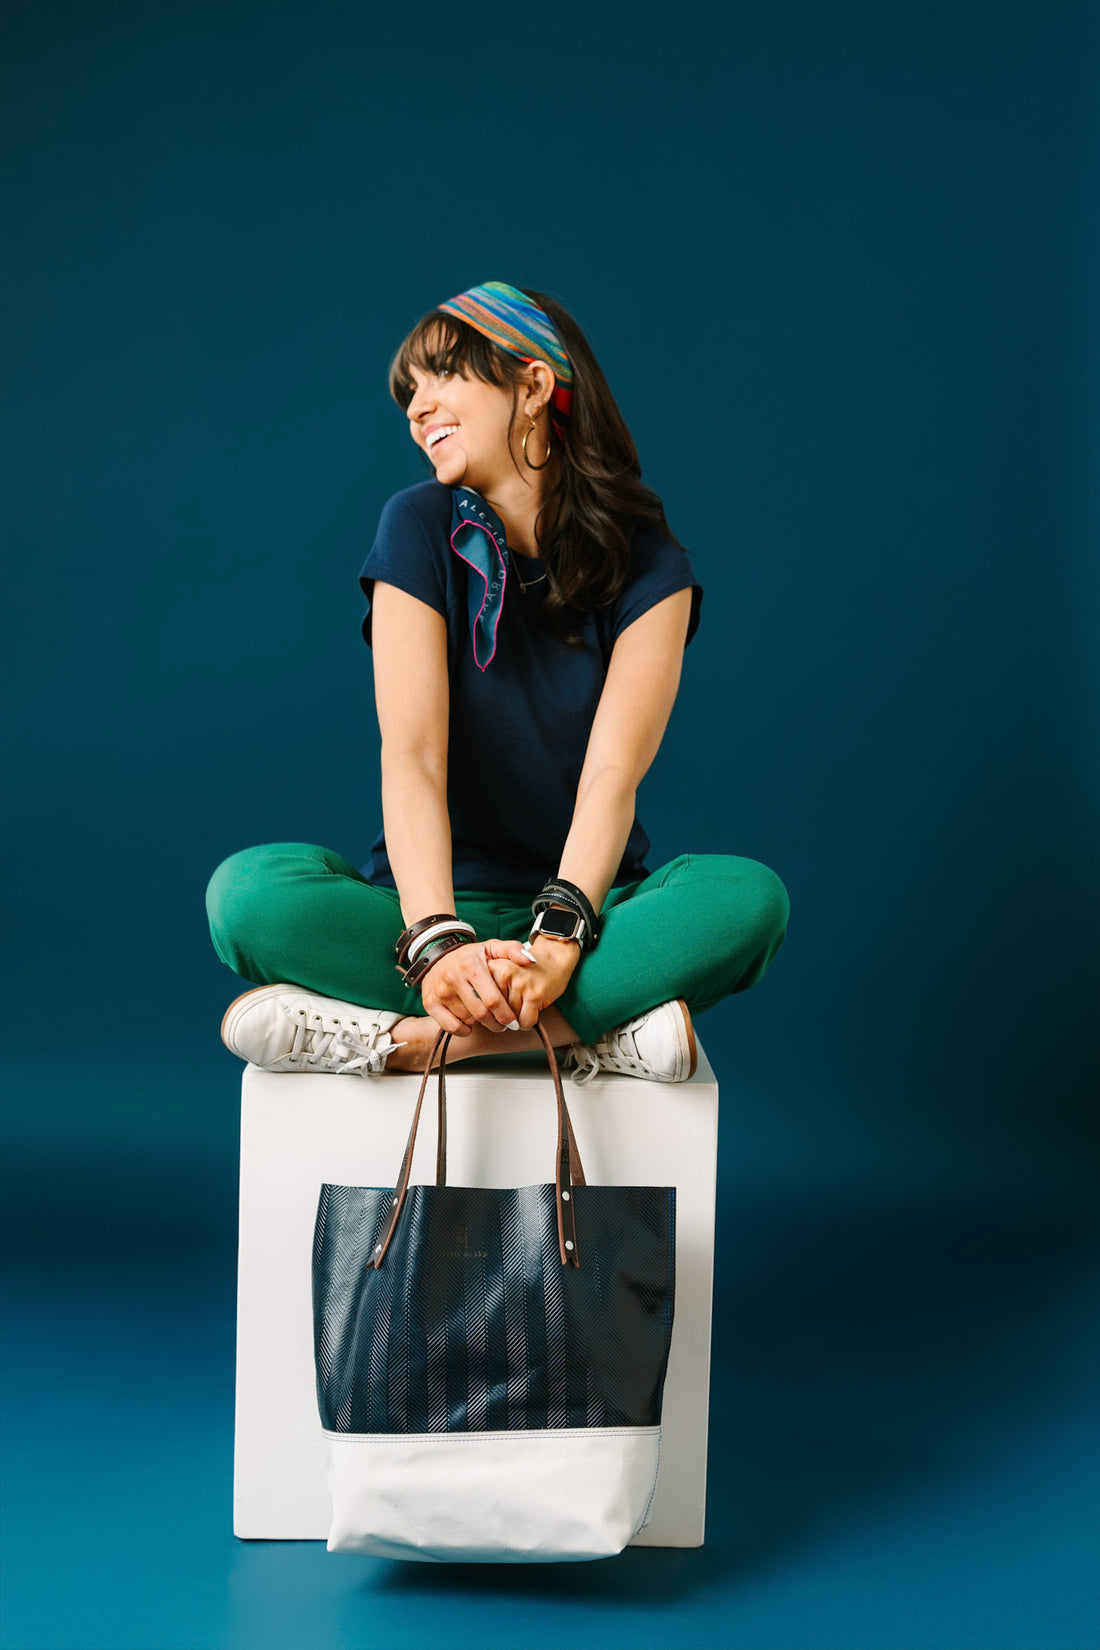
(443, 343)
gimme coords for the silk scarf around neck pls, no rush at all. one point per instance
(479, 539)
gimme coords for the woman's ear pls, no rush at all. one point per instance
(540, 382)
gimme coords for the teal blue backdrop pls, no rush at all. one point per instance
(839, 263)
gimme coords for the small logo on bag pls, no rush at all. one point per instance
(460, 1237)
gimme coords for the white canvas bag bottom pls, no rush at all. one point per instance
(491, 1497)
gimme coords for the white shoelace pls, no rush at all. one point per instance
(615, 1052)
(326, 1046)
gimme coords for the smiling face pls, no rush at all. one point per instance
(475, 414)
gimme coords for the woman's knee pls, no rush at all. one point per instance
(769, 896)
(749, 886)
(229, 892)
(753, 907)
(241, 893)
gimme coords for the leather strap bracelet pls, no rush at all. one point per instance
(430, 955)
(557, 891)
(405, 939)
(412, 941)
(422, 941)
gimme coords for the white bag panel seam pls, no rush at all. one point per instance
(653, 1489)
(500, 1437)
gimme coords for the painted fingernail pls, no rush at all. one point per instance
(513, 1025)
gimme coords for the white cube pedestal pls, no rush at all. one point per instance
(298, 1131)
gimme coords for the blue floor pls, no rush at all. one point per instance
(905, 1444)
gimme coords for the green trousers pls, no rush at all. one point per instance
(701, 927)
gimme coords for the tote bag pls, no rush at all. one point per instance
(491, 1362)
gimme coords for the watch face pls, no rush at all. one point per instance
(563, 924)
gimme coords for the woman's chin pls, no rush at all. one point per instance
(451, 468)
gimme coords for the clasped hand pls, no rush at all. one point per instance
(494, 982)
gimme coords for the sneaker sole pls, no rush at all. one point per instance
(693, 1052)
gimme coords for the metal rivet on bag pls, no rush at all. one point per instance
(393, 1205)
(565, 1197)
(378, 1248)
(568, 1244)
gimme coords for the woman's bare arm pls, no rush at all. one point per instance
(412, 696)
(643, 678)
(639, 691)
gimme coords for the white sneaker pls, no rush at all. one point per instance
(658, 1045)
(283, 1028)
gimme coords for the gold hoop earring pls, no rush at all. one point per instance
(526, 460)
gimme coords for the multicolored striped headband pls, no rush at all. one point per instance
(521, 327)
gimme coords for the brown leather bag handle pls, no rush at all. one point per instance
(568, 1171)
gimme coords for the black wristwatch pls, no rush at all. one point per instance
(557, 923)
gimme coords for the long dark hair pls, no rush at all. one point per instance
(586, 523)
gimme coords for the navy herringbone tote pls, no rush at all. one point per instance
(490, 1363)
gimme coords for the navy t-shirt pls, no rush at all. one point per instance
(519, 728)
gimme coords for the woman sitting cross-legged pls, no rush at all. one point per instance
(528, 614)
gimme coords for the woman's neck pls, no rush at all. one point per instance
(517, 504)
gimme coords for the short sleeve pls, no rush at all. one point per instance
(659, 569)
(403, 554)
